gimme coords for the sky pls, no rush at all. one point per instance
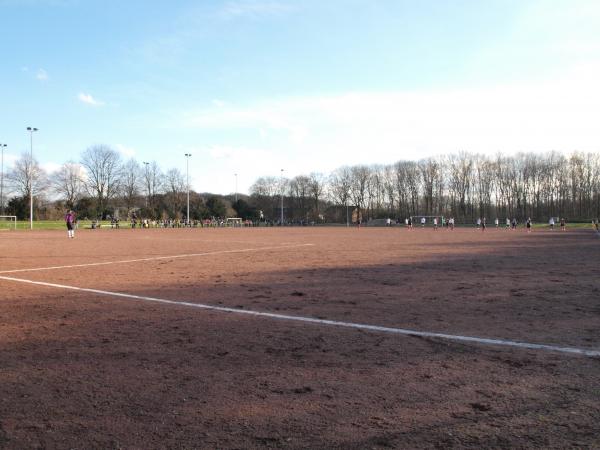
(250, 87)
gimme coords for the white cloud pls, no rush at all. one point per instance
(50, 167)
(127, 152)
(321, 133)
(213, 168)
(9, 161)
(41, 75)
(89, 100)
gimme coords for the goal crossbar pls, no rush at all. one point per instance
(12, 219)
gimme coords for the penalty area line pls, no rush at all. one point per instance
(335, 323)
(156, 258)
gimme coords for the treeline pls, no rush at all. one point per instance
(462, 185)
(102, 185)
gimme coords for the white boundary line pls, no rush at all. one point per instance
(155, 258)
(360, 326)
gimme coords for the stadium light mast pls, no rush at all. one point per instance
(187, 172)
(235, 187)
(31, 131)
(2, 147)
(281, 197)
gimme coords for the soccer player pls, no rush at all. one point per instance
(552, 223)
(528, 224)
(423, 220)
(483, 223)
(478, 223)
(497, 222)
(435, 223)
(69, 220)
(563, 226)
(507, 222)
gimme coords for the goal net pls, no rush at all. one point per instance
(8, 222)
(233, 222)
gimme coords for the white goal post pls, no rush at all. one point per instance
(233, 222)
(7, 222)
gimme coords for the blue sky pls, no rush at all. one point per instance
(253, 86)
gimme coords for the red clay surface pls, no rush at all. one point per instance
(84, 370)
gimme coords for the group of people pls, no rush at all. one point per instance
(408, 222)
(512, 224)
(481, 223)
(562, 223)
(71, 222)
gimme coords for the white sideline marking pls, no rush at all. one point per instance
(360, 326)
(154, 258)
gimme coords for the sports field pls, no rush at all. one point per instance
(370, 338)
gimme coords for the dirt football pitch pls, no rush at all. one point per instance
(148, 338)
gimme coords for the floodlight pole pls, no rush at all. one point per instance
(281, 197)
(235, 187)
(2, 147)
(31, 131)
(187, 172)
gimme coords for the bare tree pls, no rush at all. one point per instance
(461, 176)
(27, 175)
(359, 186)
(103, 174)
(375, 191)
(389, 187)
(152, 184)
(339, 188)
(484, 175)
(131, 182)
(430, 176)
(264, 192)
(175, 186)
(316, 190)
(68, 183)
(299, 188)
(408, 185)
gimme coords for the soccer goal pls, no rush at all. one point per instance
(233, 222)
(8, 222)
(428, 221)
